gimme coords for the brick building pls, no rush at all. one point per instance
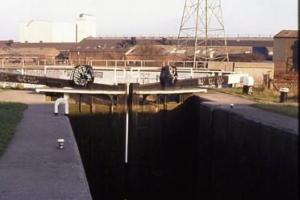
(285, 52)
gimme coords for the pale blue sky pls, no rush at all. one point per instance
(147, 17)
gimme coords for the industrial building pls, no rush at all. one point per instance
(133, 48)
(286, 52)
(85, 27)
(36, 31)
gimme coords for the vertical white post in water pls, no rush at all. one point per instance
(127, 125)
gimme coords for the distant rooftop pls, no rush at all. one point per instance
(287, 34)
(123, 44)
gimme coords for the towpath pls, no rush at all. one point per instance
(32, 166)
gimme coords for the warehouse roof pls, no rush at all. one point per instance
(59, 46)
(3, 43)
(287, 34)
(48, 52)
(125, 43)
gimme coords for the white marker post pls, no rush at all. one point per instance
(127, 124)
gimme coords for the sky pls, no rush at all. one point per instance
(149, 17)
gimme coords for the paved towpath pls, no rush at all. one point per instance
(243, 107)
(32, 166)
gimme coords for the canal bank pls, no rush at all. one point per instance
(32, 166)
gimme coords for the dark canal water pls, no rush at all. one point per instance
(162, 153)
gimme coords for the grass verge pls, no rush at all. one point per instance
(259, 94)
(288, 110)
(10, 116)
(268, 100)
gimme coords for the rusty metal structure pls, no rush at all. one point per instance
(202, 32)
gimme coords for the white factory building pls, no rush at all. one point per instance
(47, 31)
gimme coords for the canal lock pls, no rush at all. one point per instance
(161, 152)
(192, 151)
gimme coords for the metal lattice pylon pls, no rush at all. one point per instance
(202, 34)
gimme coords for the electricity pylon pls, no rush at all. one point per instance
(202, 33)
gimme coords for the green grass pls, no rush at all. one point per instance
(10, 116)
(268, 100)
(259, 94)
(288, 110)
(262, 95)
